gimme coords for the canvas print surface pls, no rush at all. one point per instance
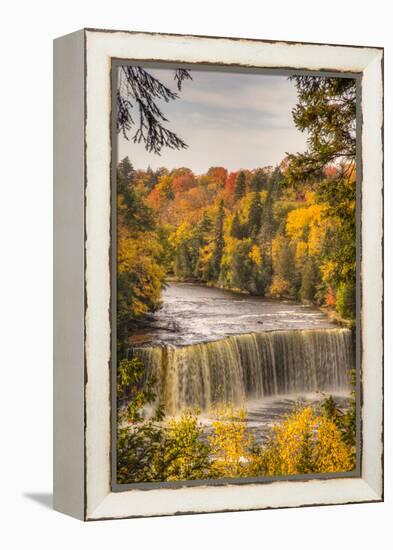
(235, 274)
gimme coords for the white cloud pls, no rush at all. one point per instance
(265, 95)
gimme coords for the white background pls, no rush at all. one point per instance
(26, 274)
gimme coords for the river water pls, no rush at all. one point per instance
(194, 313)
(207, 345)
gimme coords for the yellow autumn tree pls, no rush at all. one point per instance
(309, 225)
(305, 442)
(231, 442)
(185, 453)
(137, 260)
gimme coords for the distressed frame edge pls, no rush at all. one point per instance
(375, 490)
(235, 38)
(367, 495)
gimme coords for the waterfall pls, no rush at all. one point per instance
(249, 366)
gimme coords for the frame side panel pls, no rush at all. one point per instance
(372, 274)
(68, 242)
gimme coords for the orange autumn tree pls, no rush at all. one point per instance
(183, 183)
(218, 175)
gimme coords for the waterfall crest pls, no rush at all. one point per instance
(249, 366)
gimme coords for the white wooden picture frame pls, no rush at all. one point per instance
(82, 256)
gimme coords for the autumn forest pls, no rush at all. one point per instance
(282, 233)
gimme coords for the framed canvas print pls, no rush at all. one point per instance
(218, 274)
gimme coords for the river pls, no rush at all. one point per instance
(193, 313)
(207, 345)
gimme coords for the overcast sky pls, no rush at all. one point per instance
(235, 120)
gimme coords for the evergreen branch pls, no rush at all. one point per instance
(137, 87)
(180, 76)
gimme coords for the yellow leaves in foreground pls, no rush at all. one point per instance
(185, 454)
(306, 442)
(177, 449)
(231, 442)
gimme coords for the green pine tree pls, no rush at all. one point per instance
(236, 227)
(258, 181)
(218, 241)
(254, 215)
(240, 185)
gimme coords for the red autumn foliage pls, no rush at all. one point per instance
(229, 190)
(183, 183)
(330, 171)
(218, 175)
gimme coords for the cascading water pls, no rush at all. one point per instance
(249, 366)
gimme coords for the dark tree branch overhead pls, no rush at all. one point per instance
(140, 90)
(180, 76)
